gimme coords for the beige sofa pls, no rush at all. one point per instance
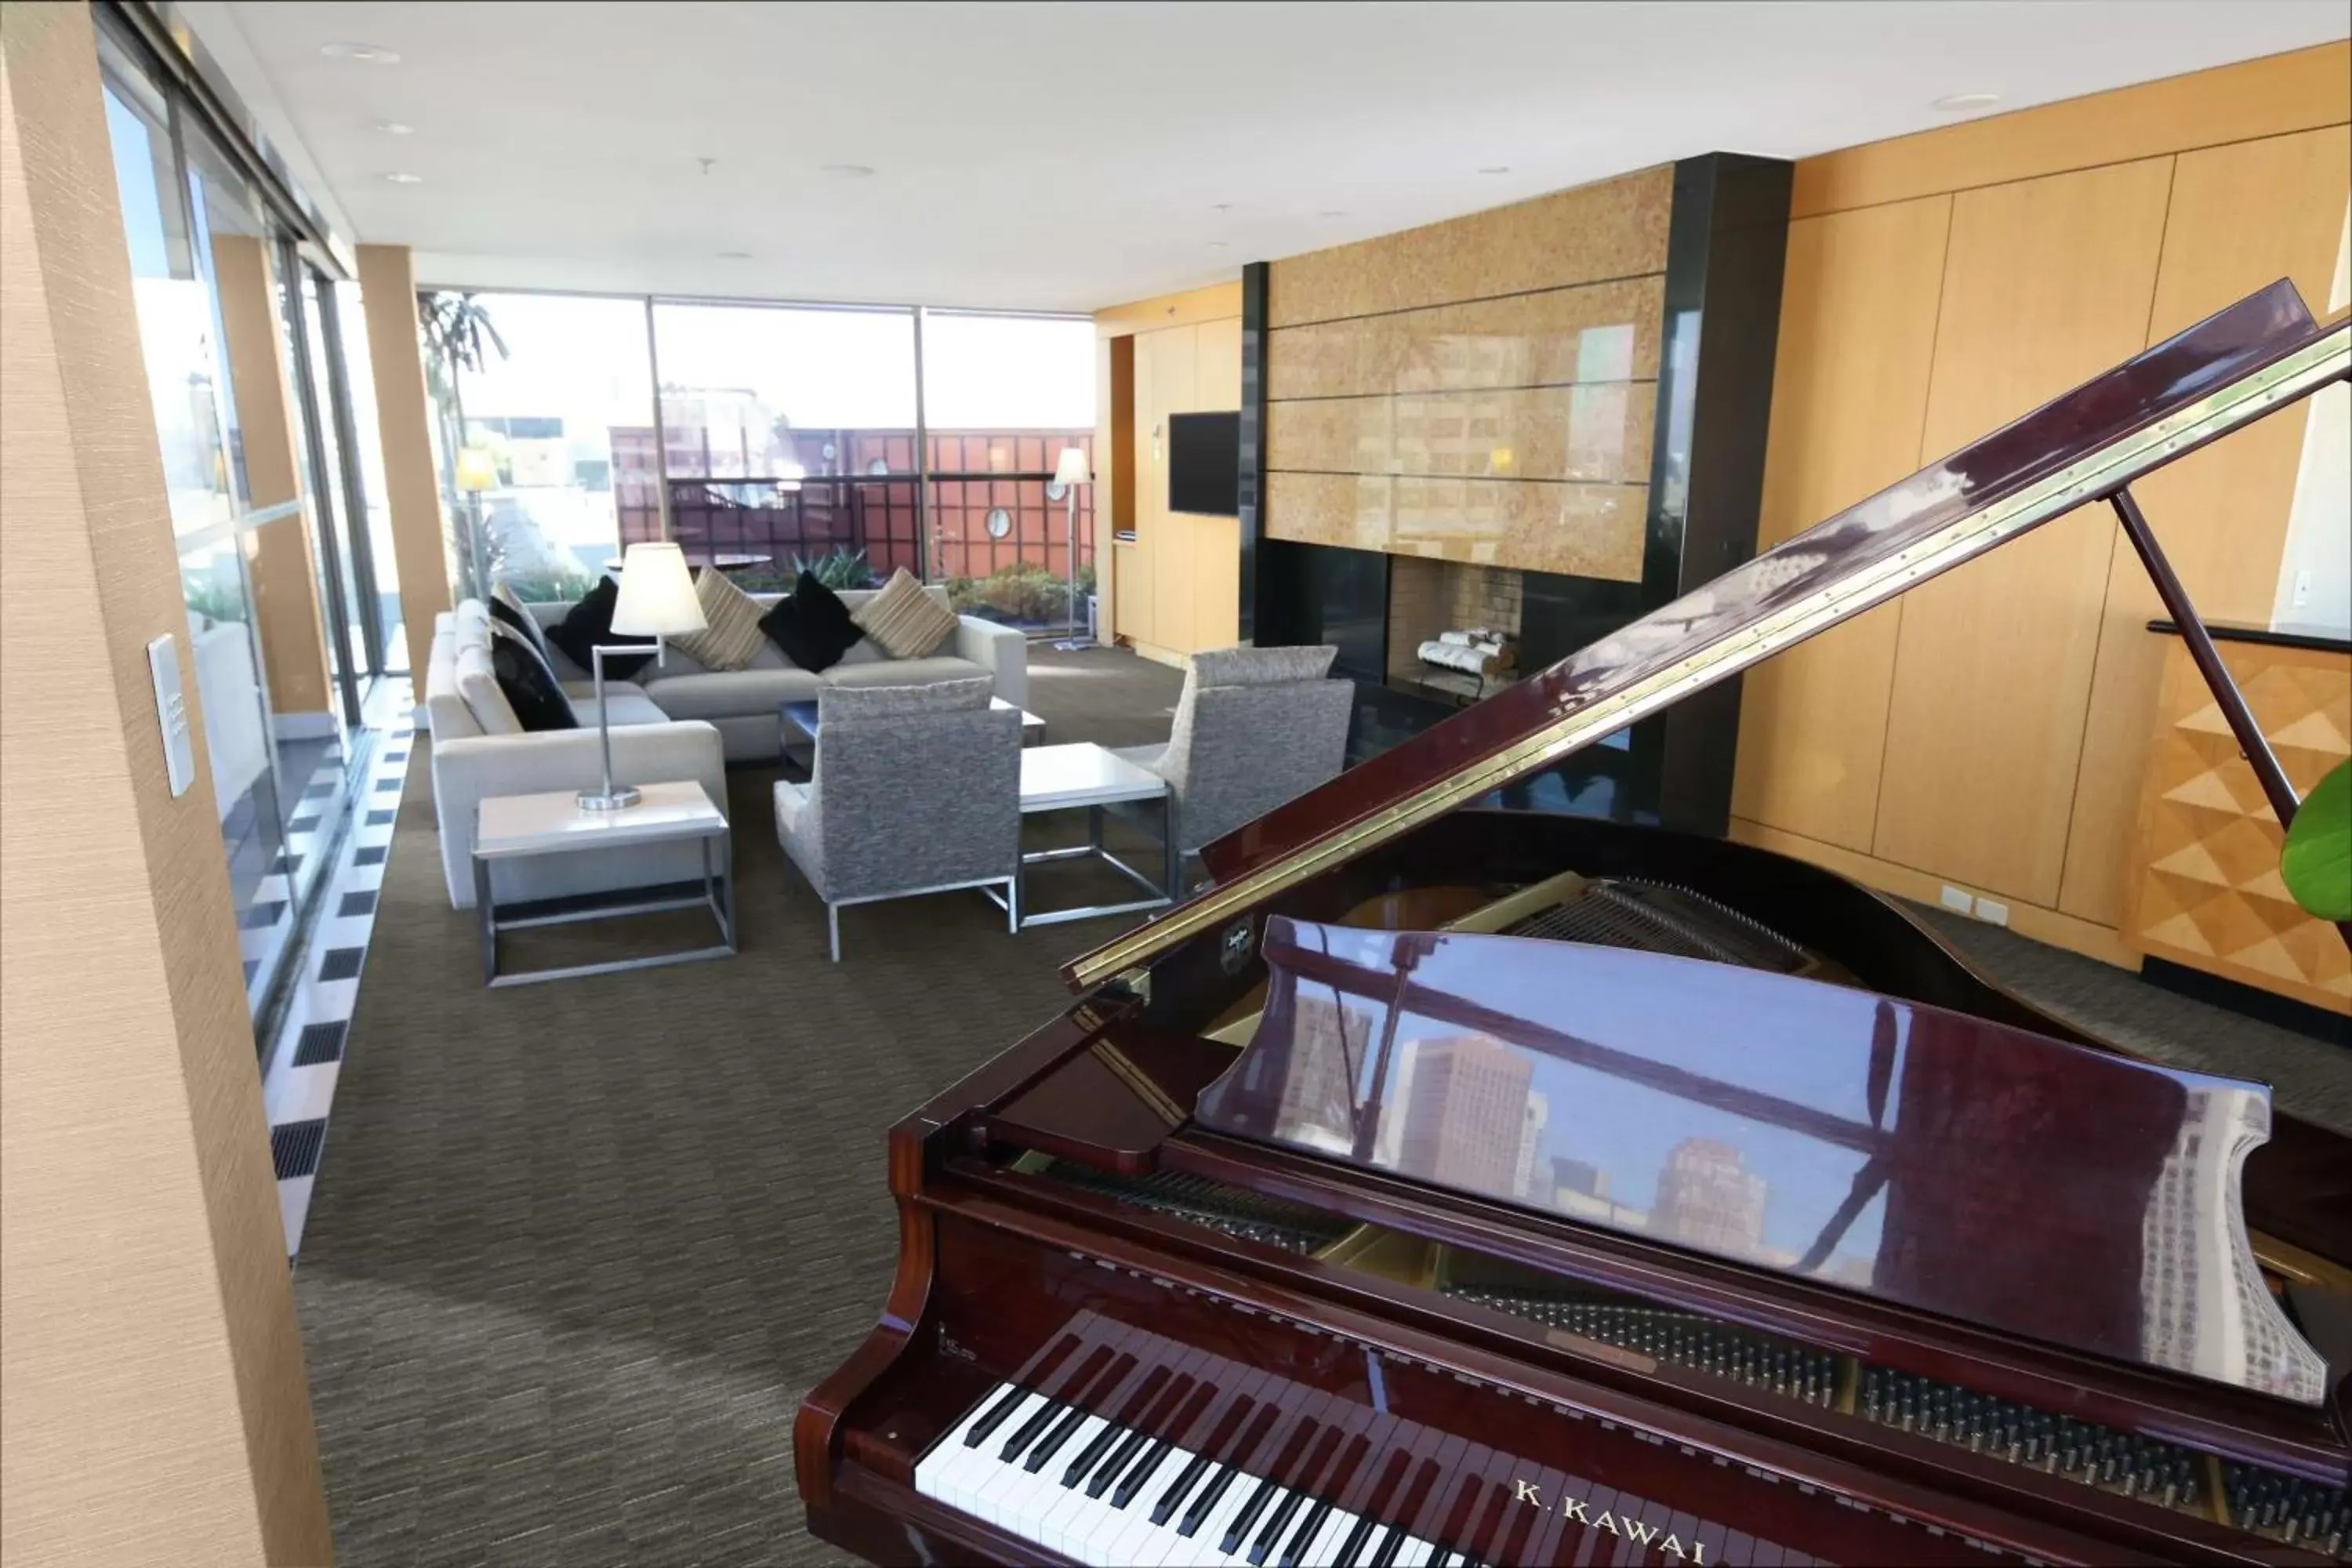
(675, 721)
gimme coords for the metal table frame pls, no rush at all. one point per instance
(717, 896)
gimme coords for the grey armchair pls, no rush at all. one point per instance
(1255, 727)
(914, 789)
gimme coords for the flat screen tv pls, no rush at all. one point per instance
(1204, 463)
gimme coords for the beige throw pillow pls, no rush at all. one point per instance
(733, 639)
(907, 621)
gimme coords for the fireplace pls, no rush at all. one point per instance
(1427, 597)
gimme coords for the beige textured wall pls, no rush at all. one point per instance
(388, 285)
(278, 554)
(1476, 391)
(156, 1409)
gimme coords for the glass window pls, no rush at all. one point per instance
(170, 229)
(789, 433)
(1003, 396)
(547, 434)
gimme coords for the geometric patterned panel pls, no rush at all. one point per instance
(2208, 892)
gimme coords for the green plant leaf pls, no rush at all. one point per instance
(2315, 862)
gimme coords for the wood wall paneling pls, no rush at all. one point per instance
(2278, 94)
(278, 561)
(1214, 303)
(2240, 217)
(2046, 282)
(1175, 359)
(387, 275)
(1848, 403)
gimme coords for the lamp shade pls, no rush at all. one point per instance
(656, 597)
(1072, 467)
(476, 469)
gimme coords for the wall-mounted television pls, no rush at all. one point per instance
(1204, 463)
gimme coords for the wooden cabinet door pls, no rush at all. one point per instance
(2046, 282)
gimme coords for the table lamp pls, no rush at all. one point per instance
(1070, 473)
(657, 600)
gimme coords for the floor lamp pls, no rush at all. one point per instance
(1070, 473)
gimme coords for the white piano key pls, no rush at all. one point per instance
(930, 1471)
(1324, 1550)
(1065, 1498)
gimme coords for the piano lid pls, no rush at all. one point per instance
(2258, 355)
(1919, 1156)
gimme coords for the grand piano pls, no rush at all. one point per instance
(1446, 1184)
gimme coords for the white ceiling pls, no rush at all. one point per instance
(1072, 156)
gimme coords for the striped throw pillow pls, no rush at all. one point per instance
(733, 639)
(905, 620)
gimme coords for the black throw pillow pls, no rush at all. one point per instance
(588, 623)
(812, 626)
(506, 606)
(530, 687)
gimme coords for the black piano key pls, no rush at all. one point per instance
(1115, 1464)
(1308, 1478)
(1227, 1474)
(1028, 1431)
(1261, 1498)
(1177, 1490)
(1072, 1419)
(1442, 1558)
(1090, 1457)
(1263, 1548)
(1350, 1548)
(1160, 1395)
(1218, 1485)
(1138, 1474)
(1190, 1408)
(1387, 1555)
(1305, 1535)
(995, 1416)
(1276, 1461)
(1362, 1541)
(1209, 1443)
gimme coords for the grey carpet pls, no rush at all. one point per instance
(577, 1250)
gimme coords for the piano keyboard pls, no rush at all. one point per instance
(1118, 1446)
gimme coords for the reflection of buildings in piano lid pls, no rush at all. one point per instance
(1467, 1115)
(2217, 1321)
(1580, 1190)
(1706, 1199)
(1327, 1042)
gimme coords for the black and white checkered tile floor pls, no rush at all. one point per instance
(305, 1058)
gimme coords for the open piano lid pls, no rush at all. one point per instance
(1919, 1156)
(2258, 355)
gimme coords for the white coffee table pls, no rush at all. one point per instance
(516, 827)
(1089, 777)
(798, 723)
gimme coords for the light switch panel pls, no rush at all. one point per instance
(172, 711)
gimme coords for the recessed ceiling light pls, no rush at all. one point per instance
(734, 256)
(1961, 102)
(396, 127)
(405, 178)
(1495, 169)
(1218, 245)
(850, 171)
(1335, 212)
(374, 54)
